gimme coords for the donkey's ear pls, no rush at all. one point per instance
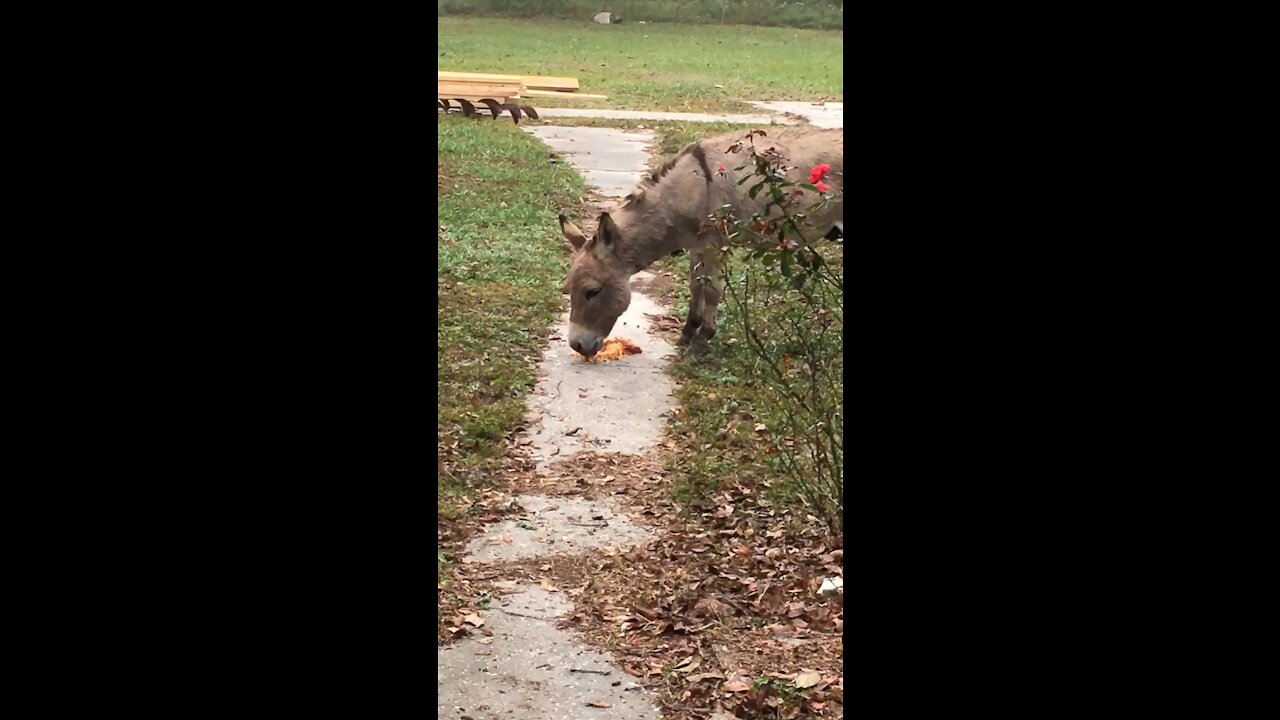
(572, 233)
(607, 231)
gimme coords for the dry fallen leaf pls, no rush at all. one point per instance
(598, 703)
(473, 619)
(690, 667)
(736, 686)
(808, 679)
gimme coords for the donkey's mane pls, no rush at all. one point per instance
(695, 149)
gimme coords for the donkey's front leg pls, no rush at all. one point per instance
(694, 318)
(711, 276)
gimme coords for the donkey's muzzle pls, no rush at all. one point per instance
(586, 350)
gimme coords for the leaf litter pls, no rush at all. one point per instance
(720, 613)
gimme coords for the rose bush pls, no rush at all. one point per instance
(786, 287)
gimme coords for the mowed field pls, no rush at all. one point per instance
(659, 66)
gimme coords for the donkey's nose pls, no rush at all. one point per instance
(585, 350)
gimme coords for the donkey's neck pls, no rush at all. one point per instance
(653, 229)
(646, 244)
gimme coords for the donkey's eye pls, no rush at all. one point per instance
(593, 293)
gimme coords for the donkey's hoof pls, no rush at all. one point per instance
(687, 334)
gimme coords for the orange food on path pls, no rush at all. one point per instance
(615, 348)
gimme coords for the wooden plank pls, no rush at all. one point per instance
(554, 94)
(540, 82)
(478, 89)
(454, 85)
(477, 77)
(475, 99)
(551, 83)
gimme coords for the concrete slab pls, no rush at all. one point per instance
(579, 406)
(612, 160)
(555, 525)
(664, 115)
(826, 115)
(615, 406)
(528, 670)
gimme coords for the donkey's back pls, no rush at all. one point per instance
(801, 148)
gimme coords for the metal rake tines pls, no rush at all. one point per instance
(496, 108)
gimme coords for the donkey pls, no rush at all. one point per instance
(670, 211)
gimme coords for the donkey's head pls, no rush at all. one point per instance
(598, 286)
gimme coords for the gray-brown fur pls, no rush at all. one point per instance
(669, 211)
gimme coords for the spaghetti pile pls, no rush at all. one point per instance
(615, 348)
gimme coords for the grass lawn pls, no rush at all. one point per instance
(499, 270)
(658, 66)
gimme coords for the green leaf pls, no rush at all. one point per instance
(755, 189)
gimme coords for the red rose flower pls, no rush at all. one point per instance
(822, 187)
(818, 172)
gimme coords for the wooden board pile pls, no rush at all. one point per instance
(500, 92)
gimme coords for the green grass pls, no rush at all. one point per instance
(658, 66)
(500, 266)
(722, 398)
(794, 13)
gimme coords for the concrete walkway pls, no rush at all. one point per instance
(606, 157)
(663, 115)
(824, 115)
(529, 667)
(531, 670)
(574, 406)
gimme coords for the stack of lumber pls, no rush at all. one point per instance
(505, 88)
